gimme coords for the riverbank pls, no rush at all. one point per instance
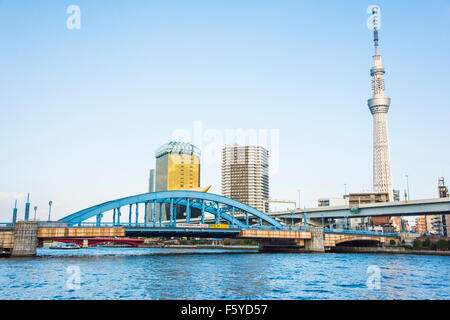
(374, 250)
(392, 250)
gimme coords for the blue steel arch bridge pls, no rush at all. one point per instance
(160, 214)
(232, 219)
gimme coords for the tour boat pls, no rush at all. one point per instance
(65, 246)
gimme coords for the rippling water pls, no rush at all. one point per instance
(147, 273)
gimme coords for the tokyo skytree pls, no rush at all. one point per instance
(379, 107)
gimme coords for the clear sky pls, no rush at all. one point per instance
(83, 110)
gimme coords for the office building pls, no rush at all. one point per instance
(177, 168)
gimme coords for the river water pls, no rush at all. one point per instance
(150, 273)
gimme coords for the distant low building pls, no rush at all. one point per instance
(445, 219)
(356, 199)
(400, 224)
(434, 224)
(396, 194)
(366, 197)
(421, 226)
(332, 202)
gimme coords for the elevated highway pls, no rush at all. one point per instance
(382, 209)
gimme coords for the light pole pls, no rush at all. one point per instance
(292, 218)
(407, 187)
(49, 209)
(298, 198)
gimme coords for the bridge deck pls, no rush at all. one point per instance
(80, 232)
(181, 232)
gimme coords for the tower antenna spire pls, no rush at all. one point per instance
(376, 27)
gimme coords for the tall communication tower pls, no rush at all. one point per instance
(379, 107)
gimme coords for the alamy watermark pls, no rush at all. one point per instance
(73, 281)
(212, 140)
(73, 22)
(374, 279)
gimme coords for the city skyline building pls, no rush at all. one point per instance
(245, 175)
(151, 181)
(421, 225)
(357, 199)
(379, 107)
(177, 168)
(331, 202)
(443, 193)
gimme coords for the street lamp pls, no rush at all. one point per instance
(299, 198)
(49, 209)
(35, 208)
(292, 218)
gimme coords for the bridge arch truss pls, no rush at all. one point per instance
(224, 210)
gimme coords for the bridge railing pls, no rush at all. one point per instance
(285, 228)
(359, 232)
(300, 228)
(168, 225)
(52, 224)
(6, 225)
(55, 224)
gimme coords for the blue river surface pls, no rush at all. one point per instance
(150, 273)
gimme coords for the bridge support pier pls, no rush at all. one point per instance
(315, 244)
(25, 239)
(85, 243)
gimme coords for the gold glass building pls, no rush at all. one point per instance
(177, 166)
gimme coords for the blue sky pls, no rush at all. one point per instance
(82, 111)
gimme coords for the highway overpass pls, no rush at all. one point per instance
(381, 209)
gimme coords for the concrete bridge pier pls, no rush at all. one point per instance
(313, 243)
(316, 243)
(25, 239)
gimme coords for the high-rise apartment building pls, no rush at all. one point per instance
(245, 175)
